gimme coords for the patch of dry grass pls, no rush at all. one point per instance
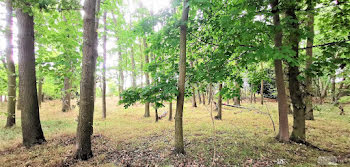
(243, 137)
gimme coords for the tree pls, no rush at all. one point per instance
(11, 71)
(30, 120)
(283, 133)
(86, 110)
(308, 80)
(219, 103)
(298, 133)
(104, 65)
(147, 113)
(179, 144)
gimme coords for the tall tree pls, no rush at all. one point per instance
(308, 79)
(219, 116)
(179, 143)
(298, 133)
(147, 113)
(40, 90)
(67, 95)
(121, 73)
(11, 71)
(30, 120)
(104, 65)
(86, 111)
(283, 134)
(133, 67)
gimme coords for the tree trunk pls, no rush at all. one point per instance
(31, 127)
(121, 74)
(283, 133)
(179, 141)
(141, 64)
(203, 94)
(40, 90)
(308, 79)
(254, 97)
(194, 103)
(11, 69)
(210, 94)
(333, 90)
(199, 96)
(96, 39)
(86, 110)
(67, 95)
(170, 111)
(147, 113)
(262, 87)
(219, 116)
(298, 133)
(156, 113)
(133, 67)
(104, 112)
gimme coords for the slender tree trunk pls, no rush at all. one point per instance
(86, 111)
(194, 103)
(147, 113)
(40, 91)
(104, 108)
(199, 96)
(31, 127)
(203, 94)
(333, 90)
(210, 93)
(179, 141)
(133, 67)
(67, 95)
(308, 80)
(121, 73)
(141, 64)
(298, 133)
(219, 116)
(11, 69)
(96, 39)
(283, 133)
(262, 88)
(156, 114)
(170, 111)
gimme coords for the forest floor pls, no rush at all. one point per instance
(126, 138)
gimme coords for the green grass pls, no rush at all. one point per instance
(243, 138)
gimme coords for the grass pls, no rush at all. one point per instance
(243, 138)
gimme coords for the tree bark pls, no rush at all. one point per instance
(40, 91)
(199, 96)
(104, 108)
(30, 120)
(283, 133)
(179, 142)
(170, 111)
(308, 79)
(11, 69)
(156, 114)
(96, 39)
(210, 94)
(262, 88)
(194, 103)
(121, 73)
(298, 133)
(67, 95)
(203, 94)
(133, 67)
(219, 116)
(147, 113)
(86, 110)
(333, 90)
